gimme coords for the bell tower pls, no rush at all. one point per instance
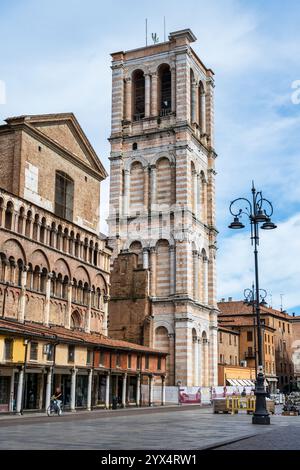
(162, 196)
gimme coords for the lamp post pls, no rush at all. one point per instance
(258, 211)
(249, 296)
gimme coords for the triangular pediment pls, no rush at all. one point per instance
(65, 131)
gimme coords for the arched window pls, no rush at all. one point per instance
(75, 320)
(136, 186)
(77, 245)
(35, 227)
(65, 288)
(136, 247)
(43, 230)
(164, 74)
(162, 268)
(28, 223)
(36, 278)
(95, 257)
(9, 215)
(192, 97)
(134, 146)
(52, 234)
(20, 270)
(64, 195)
(162, 343)
(43, 280)
(21, 220)
(164, 182)
(138, 95)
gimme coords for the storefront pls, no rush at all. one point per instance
(132, 390)
(81, 391)
(4, 393)
(99, 389)
(6, 390)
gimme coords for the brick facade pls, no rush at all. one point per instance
(55, 275)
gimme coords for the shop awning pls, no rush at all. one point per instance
(240, 382)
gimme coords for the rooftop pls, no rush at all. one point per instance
(61, 334)
(238, 307)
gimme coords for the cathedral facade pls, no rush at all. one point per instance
(162, 206)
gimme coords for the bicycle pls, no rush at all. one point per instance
(54, 409)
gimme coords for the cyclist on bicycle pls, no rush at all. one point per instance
(57, 396)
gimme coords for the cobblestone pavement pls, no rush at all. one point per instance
(169, 428)
(287, 438)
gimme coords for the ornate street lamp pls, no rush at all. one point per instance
(249, 299)
(259, 211)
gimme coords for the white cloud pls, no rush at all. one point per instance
(279, 266)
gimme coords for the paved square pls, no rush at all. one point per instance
(168, 429)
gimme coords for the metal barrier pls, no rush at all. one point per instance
(236, 404)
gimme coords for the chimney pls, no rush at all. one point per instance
(223, 300)
(229, 299)
(293, 314)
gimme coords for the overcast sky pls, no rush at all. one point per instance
(55, 57)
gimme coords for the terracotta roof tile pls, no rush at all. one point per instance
(63, 334)
(239, 308)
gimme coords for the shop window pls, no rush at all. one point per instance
(34, 351)
(71, 353)
(8, 349)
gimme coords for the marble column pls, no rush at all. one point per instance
(203, 113)
(20, 391)
(138, 391)
(154, 111)
(147, 95)
(48, 388)
(107, 387)
(163, 390)
(152, 271)
(89, 312)
(124, 385)
(22, 299)
(89, 391)
(145, 258)
(173, 89)
(47, 299)
(128, 99)
(193, 102)
(150, 390)
(73, 389)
